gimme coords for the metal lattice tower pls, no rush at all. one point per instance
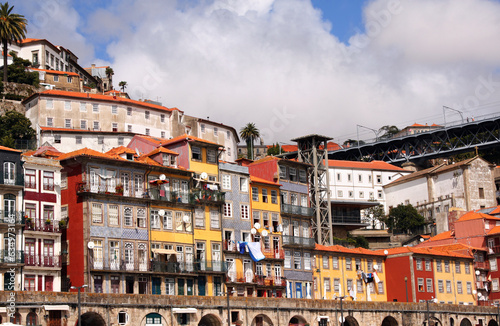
(312, 149)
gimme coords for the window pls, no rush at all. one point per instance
(264, 195)
(113, 215)
(469, 288)
(459, 287)
(100, 140)
(148, 132)
(428, 265)
(243, 184)
(114, 126)
(196, 153)
(481, 193)
(348, 263)
(494, 284)
(67, 105)
(48, 180)
(162, 118)
(335, 262)
(302, 176)
(83, 124)
(440, 286)
(226, 181)
(359, 285)
(168, 220)
(228, 209)
(56, 78)
(95, 108)
(307, 261)
(141, 217)
(96, 125)
(336, 285)
(380, 287)
(127, 216)
(293, 174)
(78, 139)
(297, 260)
(447, 266)
(274, 196)
(283, 172)
(288, 259)
(50, 122)
(114, 109)
(349, 177)
(129, 128)
(448, 286)
(146, 115)
(216, 131)
(96, 213)
(379, 179)
(211, 156)
(457, 267)
(214, 219)
(30, 179)
(199, 218)
(379, 194)
(467, 268)
(255, 194)
(493, 264)
(326, 284)
(340, 193)
(420, 284)
(439, 267)
(202, 127)
(122, 318)
(162, 134)
(245, 212)
(429, 285)
(57, 139)
(326, 264)
(70, 79)
(129, 110)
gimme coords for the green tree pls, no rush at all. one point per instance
(109, 72)
(276, 149)
(14, 126)
(12, 29)
(388, 132)
(374, 215)
(249, 133)
(404, 218)
(18, 71)
(123, 85)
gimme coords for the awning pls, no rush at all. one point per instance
(57, 307)
(164, 251)
(184, 310)
(3, 310)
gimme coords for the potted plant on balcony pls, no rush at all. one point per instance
(62, 224)
(29, 220)
(119, 189)
(48, 222)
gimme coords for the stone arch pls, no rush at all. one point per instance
(297, 321)
(210, 320)
(389, 321)
(92, 319)
(32, 319)
(465, 322)
(153, 318)
(350, 321)
(433, 321)
(492, 323)
(262, 320)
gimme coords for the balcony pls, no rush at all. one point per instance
(482, 265)
(12, 180)
(296, 210)
(203, 266)
(483, 285)
(247, 277)
(230, 245)
(207, 196)
(346, 219)
(496, 249)
(289, 240)
(118, 265)
(270, 281)
(42, 260)
(274, 253)
(168, 196)
(84, 187)
(12, 217)
(39, 226)
(11, 256)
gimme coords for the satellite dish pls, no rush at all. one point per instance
(257, 225)
(162, 177)
(375, 267)
(161, 212)
(385, 252)
(186, 219)
(90, 245)
(253, 231)
(204, 176)
(265, 233)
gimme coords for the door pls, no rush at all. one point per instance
(184, 191)
(94, 180)
(247, 268)
(189, 259)
(9, 203)
(189, 286)
(143, 258)
(231, 269)
(298, 290)
(200, 255)
(138, 185)
(49, 283)
(54, 318)
(156, 282)
(201, 285)
(125, 179)
(48, 253)
(97, 253)
(276, 246)
(129, 256)
(277, 274)
(29, 253)
(216, 257)
(114, 255)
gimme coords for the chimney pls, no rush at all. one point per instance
(93, 65)
(409, 166)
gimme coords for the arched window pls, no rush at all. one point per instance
(9, 173)
(31, 319)
(16, 319)
(153, 319)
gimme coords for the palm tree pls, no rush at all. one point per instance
(249, 133)
(109, 72)
(123, 85)
(389, 132)
(12, 28)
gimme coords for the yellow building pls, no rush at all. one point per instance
(349, 273)
(266, 219)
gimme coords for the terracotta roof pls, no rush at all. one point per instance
(57, 72)
(373, 165)
(121, 150)
(162, 150)
(44, 151)
(101, 97)
(495, 230)
(424, 251)
(29, 40)
(90, 153)
(341, 249)
(255, 179)
(472, 215)
(441, 236)
(188, 138)
(9, 149)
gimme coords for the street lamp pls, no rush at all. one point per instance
(374, 131)
(452, 109)
(433, 300)
(341, 309)
(79, 288)
(406, 288)
(497, 304)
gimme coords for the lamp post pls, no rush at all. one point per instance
(374, 131)
(497, 304)
(79, 288)
(406, 288)
(341, 298)
(433, 300)
(452, 109)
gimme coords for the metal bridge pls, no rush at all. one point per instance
(453, 138)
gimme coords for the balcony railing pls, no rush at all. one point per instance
(207, 196)
(246, 277)
(296, 210)
(346, 219)
(13, 180)
(117, 264)
(482, 265)
(274, 253)
(230, 245)
(168, 196)
(42, 261)
(270, 281)
(496, 249)
(42, 226)
(157, 266)
(84, 187)
(483, 285)
(211, 266)
(11, 256)
(12, 217)
(289, 240)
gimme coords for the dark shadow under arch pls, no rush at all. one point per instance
(465, 322)
(492, 323)
(92, 319)
(389, 321)
(262, 320)
(210, 320)
(350, 321)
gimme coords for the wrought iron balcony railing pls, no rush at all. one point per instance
(289, 240)
(12, 217)
(11, 256)
(42, 260)
(296, 210)
(246, 277)
(270, 281)
(42, 226)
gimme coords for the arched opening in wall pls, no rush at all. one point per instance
(465, 322)
(350, 321)
(452, 321)
(31, 319)
(210, 320)
(433, 321)
(92, 319)
(154, 318)
(297, 321)
(262, 320)
(493, 323)
(389, 321)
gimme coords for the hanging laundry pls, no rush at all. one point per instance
(255, 252)
(375, 277)
(368, 296)
(363, 276)
(241, 247)
(369, 278)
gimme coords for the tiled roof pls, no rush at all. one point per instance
(373, 165)
(255, 179)
(441, 236)
(57, 72)
(101, 97)
(162, 150)
(472, 215)
(495, 230)
(120, 150)
(44, 151)
(341, 249)
(90, 153)
(424, 251)
(9, 149)
(188, 138)
(29, 40)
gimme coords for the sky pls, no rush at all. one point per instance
(339, 68)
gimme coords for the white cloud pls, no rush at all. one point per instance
(274, 62)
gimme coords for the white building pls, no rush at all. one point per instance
(466, 185)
